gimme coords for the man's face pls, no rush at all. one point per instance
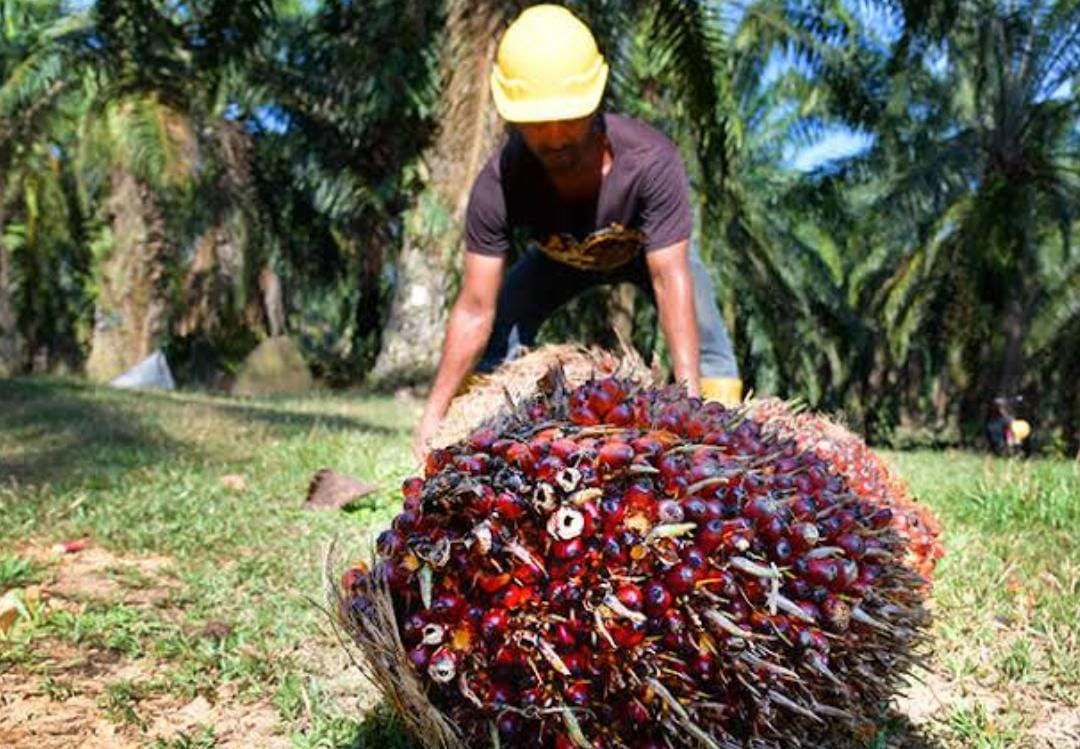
(560, 145)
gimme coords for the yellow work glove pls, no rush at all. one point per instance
(725, 390)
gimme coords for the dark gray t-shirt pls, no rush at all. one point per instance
(643, 205)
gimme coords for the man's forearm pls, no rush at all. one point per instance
(678, 320)
(466, 335)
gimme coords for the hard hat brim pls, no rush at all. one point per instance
(547, 110)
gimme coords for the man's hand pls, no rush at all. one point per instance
(425, 430)
(669, 268)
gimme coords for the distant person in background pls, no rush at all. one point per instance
(1006, 434)
(595, 198)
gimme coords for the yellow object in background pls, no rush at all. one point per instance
(724, 390)
(1020, 429)
(547, 68)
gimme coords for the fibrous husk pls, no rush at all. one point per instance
(515, 381)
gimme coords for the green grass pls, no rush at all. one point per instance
(140, 474)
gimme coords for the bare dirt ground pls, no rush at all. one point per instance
(62, 700)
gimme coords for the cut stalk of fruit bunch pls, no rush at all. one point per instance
(617, 565)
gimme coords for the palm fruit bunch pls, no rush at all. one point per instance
(868, 475)
(614, 565)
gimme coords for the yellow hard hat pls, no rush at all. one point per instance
(548, 68)
(1020, 429)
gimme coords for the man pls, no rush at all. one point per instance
(595, 198)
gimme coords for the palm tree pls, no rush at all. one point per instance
(982, 194)
(151, 83)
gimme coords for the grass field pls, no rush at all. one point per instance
(191, 618)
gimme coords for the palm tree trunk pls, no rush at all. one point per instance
(10, 348)
(133, 304)
(1014, 324)
(412, 336)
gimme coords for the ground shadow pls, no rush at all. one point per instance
(56, 431)
(52, 432)
(380, 729)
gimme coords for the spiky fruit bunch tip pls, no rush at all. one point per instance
(620, 566)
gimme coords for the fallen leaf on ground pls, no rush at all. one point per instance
(330, 490)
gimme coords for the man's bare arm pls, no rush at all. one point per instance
(669, 268)
(467, 333)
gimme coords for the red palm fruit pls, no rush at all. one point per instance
(796, 587)
(760, 509)
(696, 557)
(657, 599)
(881, 518)
(848, 574)
(630, 596)
(673, 621)
(412, 487)
(810, 610)
(515, 596)
(569, 549)
(583, 415)
(577, 693)
(680, 579)
(614, 552)
(527, 574)
(473, 465)
(835, 614)
(413, 628)
(562, 448)
(620, 415)
(773, 529)
(669, 511)
(448, 607)
(405, 522)
(390, 543)
(509, 505)
(804, 536)
(520, 456)
(782, 551)
(614, 455)
(821, 571)
(711, 535)
(671, 465)
(703, 667)
(695, 509)
(483, 438)
(564, 635)
(803, 507)
(436, 460)
(546, 469)
(590, 513)
(811, 638)
(627, 634)
(635, 713)
(851, 543)
(576, 662)
(640, 496)
(601, 400)
(562, 741)
(647, 445)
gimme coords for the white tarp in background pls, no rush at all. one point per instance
(152, 373)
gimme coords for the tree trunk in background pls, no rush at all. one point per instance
(132, 308)
(1014, 324)
(10, 345)
(413, 334)
(620, 310)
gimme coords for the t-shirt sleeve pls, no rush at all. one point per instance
(666, 214)
(486, 229)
